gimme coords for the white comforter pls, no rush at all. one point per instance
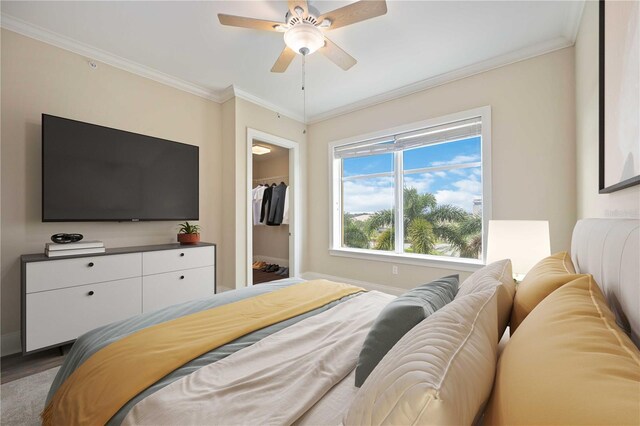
(274, 381)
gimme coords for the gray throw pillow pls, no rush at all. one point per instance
(400, 316)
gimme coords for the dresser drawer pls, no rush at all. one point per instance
(56, 274)
(57, 316)
(161, 290)
(157, 262)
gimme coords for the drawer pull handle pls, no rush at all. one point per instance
(91, 293)
(182, 277)
(181, 254)
(90, 264)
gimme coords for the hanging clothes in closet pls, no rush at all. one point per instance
(285, 213)
(271, 204)
(257, 195)
(276, 210)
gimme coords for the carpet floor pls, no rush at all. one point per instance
(22, 400)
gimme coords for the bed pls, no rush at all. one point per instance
(299, 366)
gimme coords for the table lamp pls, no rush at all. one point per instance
(525, 242)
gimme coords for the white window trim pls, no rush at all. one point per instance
(444, 262)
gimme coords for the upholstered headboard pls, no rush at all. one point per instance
(609, 249)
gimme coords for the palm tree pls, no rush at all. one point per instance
(467, 238)
(420, 234)
(354, 233)
(385, 240)
(380, 219)
(426, 223)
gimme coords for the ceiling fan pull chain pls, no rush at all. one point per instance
(304, 93)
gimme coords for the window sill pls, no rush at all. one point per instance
(456, 264)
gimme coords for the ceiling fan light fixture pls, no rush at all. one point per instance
(304, 38)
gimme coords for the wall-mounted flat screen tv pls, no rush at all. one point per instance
(95, 173)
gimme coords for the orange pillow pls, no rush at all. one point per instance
(543, 279)
(568, 364)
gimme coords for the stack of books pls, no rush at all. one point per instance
(73, 249)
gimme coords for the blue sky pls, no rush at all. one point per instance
(458, 186)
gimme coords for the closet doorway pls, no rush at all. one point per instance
(272, 171)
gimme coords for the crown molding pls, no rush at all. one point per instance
(220, 96)
(226, 94)
(574, 18)
(239, 93)
(33, 31)
(448, 77)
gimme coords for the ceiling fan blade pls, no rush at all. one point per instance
(301, 3)
(355, 12)
(337, 55)
(284, 60)
(241, 21)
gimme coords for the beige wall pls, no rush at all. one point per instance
(272, 241)
(39, 78)
(623, 203)
(533, 154)
(226, 256)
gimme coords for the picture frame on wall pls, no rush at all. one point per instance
(619, 95)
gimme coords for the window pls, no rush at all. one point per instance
(416, 193)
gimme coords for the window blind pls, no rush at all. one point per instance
(457, 130)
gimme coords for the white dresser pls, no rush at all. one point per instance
(63, 298)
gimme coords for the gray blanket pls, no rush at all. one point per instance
(93, 341)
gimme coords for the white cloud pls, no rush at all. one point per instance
(422, 182)
(458, 159)
(375, 194)
(368, 196)
(467, 191)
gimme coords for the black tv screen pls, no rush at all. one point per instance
(95, 173)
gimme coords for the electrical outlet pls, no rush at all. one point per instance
(394, 270)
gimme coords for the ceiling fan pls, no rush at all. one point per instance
(304, 29)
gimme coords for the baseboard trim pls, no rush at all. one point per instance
(276, 260)
(10, 343)
(396, 291)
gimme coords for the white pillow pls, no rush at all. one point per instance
(440, 373)
(495, 275)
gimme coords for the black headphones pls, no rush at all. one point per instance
(66, 238)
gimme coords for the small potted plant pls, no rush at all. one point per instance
(188, 233)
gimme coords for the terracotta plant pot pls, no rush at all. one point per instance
(188, 238)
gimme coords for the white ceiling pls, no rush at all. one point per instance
(415, 45)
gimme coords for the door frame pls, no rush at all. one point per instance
(294, 202)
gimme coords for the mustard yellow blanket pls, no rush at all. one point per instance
(121, 370)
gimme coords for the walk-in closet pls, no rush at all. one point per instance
(271, 196)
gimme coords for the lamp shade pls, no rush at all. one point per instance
(304, 36)
(525, 242)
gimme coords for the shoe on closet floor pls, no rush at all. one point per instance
(273, 268)
(280, 270)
